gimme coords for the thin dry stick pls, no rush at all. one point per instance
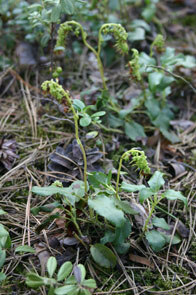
(170, 243)
(33, 109)
(27, 215)
(130, 281)
(191, 233)
(5, 118)
(121, 291)
(175, 289)
(28, 109)
(113, 288)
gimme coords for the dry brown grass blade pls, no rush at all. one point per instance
(31, 110)
(27, 217)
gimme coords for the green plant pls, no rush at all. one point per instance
(61, 95)
(68, 280)
(83, 112)
(155, 83)
(116, 30)
(44, 14)
(138, 160)
(156, 239)
(5, 243)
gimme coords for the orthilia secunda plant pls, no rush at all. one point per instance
(117, 30)
(61, 95)
(138, 160)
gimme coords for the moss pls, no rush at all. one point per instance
(189, 20)
(110, 283)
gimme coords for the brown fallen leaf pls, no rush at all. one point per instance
(141, 260)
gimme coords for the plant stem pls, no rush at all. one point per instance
(96, 53)
(156, 201)
(79, 141)
(118, 173)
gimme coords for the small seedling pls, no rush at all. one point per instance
(68, 280)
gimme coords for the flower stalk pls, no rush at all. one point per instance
(60, 94)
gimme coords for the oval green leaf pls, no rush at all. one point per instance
(69, 289)
(64, 271)
(160, 222)
(103, 256)
(156, 181)
(51, 266)
(25, 249)
(175, 195)
(105, 207)
(155, 240)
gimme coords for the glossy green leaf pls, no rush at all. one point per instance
(92, 134)
(171, 136)
(175, 239)
(25, 249)
(78, 104)
(64, 271)
(131, 187)
(2, 276)
(103, 256)
(125, 206)
(67, 6)
(156, 181)
(71, 280)
(155, 240)
(137, 34)
(105, 207)
(5, 241)
(49, 190)
(175, 195)
(84, 292)
(149, 12)
(90, 283)
(98, 114)
(154, 79)
(135, 102)
(145, 193)
(55, 14)
(165, 82)
(98, 178)
(160, 222)
(140, 23)
(114, 121)
(33, 280)
(67, 290)
(2, 257)
(76, 189)
(85, 120)
(51, 266)
(153, 108)
(134, 130)
(144, 61)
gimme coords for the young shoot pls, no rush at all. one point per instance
(158, 43)
(134, 66)
(138, 160)
(116, 30)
